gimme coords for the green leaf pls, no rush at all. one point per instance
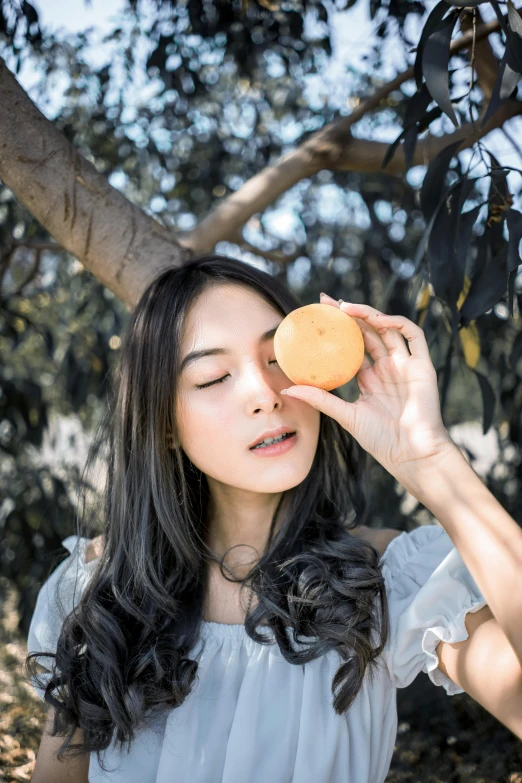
(431, 24)
(433, 183)
(488, 401)
(435, 62)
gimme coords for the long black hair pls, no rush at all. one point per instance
(123, 649)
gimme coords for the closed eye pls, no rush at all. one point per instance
(220, 380)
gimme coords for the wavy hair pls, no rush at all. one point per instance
(124, 648)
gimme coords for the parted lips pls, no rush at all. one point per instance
(319, 345)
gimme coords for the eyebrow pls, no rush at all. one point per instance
(194, 355)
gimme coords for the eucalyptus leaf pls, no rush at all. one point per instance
(410, 142)
(488, 401)
(515, 35)
(435, 61)
(390, 152)
(505, 84)
(487, 290)
(416, 106)
(433, 183)
(431, 24)
(416, 120)
(516, 351)
(514, 226)
(446, 374)
(446, 259)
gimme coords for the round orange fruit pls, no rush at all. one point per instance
(319, 345)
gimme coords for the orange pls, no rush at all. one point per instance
(319, 345)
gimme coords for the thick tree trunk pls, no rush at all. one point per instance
(116, 241)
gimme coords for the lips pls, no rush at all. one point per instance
(283, 430)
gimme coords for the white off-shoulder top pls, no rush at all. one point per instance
(252, 717)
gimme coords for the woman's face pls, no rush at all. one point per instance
(217, 424)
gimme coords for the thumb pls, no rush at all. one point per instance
(343, 412)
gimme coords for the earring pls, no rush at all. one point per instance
(172, 441)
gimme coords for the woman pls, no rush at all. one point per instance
(237, 624)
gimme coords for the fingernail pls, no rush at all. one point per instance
(341, 301)
(322, 294)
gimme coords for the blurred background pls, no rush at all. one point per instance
(178, 105)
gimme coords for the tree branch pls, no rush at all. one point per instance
(38, 246)
(115, 240)
(366, 156)
(333, 147)
(271, 255)
(486, 63)
(32, 274)
(232, 213)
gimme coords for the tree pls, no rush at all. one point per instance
(89, 208)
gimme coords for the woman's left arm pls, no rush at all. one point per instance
(487, 537)
(488, 664)
(397, 420)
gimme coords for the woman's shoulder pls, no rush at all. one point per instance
(94, 548)
(413, 556)
(66, 582)
(58, 596)
(377, 538)
(417, 543)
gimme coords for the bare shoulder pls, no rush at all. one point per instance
(377, 538)
(94, 548)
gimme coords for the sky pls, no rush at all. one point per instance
(76, 15)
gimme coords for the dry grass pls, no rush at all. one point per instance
(21, 711)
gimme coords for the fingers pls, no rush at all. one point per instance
(335, 407)
(392, 328)
(366, 364)
(373, 343)
(325, 299)
(391, 338)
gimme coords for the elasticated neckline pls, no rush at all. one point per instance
(235, 633)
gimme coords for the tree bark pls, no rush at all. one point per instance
(115, 240)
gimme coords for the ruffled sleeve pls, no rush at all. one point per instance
(57, 597)
(430, 590)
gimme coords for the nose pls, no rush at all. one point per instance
(263, 386)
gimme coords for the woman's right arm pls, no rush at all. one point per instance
(48, 769)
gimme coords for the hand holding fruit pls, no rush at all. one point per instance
(397, 416)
